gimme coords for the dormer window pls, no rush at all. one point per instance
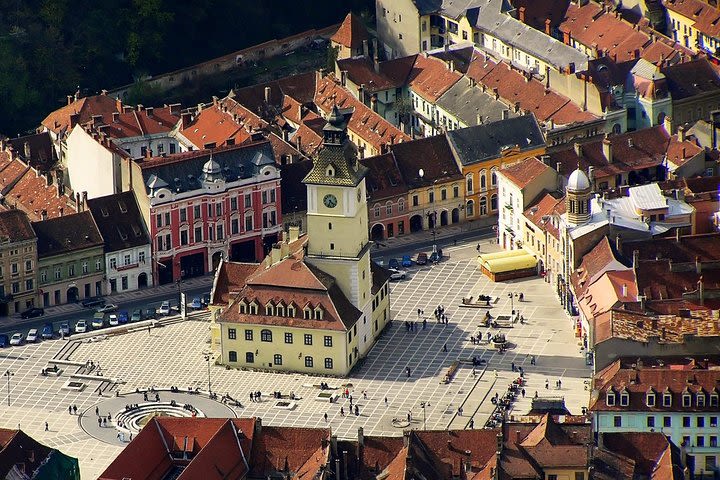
(624, 399)
(714, 399)
(318, 313)
(243, 306)
(253, 308)
(667, 399)
(650, 399)
(686, 400)
(280, 310)
(269, 309)
(610, 398)
(330, 172)
(291, 310)
(700, 399)
(307, 313)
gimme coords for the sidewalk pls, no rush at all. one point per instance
(169, 289)
(442, 234)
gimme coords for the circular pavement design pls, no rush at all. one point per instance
(135, 419)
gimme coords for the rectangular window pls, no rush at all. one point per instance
(248, 200)
(713, 441)
(172, 148)
(198, 234)
(308, 339)
(248, 223)
(277, 359)
(28, 265)
(686, 422)
(16, 287)
(183, 215)
(248, 335)
(309, 362)
(700, 441)
(196, 212)
(85, 267)
(158, 220)
(329, 363)
(651, 422)
(183, 237)
(233, 204)
(700, 422)
(234, 226)
(264, 197)
(232, 356)
(617, 421)
(71, 270)
(220, 232)
(232, 333)
(667, 421)
(288, 338)
(710, 463)
(249, 357)
(210, 209)
(28, 284)
(415, 200)
(327, 341)
(167, 218)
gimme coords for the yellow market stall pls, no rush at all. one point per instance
(501, 266)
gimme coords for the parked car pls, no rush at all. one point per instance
(394, 263)
(32, 335)
(422, 258)
(124, 317)
(436, 256)
(16, 339)
(196, 304)
(110, 307)
(397, 274)
(165, 308)
(112, 320)
(98, 320)
(65, 328)
(32, 312)
(92, 302)
(406, 261)
(4, 341)
(205, 300)
(136, 315)
(48, 331)
(151, 313)
(81, 326)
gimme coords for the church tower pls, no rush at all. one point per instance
(577, 197)
(337, 217)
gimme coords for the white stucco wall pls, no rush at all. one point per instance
(90, 165)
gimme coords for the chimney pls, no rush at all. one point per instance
(578, 149)
(451, 65)
(337, 469)
(115, 117)
(667, 124)
(267, 95)
(478, 118)
(149, 110)
(78, 205)
(174, 108)
(61, 211)
(376, 60)
(558, 166)
(607, 148)
(499, 443)
(84, 200)
(641, 299)
(373, 103)
(343, 77)
(630, 142)
(516, 107)
(333, 445)
(521, 14)
(294, 233)
(624, 290)
(361, 437)
(548, 26)
(43, 215)
(701, 291)
(681, 133)
(636, 259)
(406, 438)
(496, 94)
(361, 93)
(70, 99)
(258, 425)
(677, 235)
(185, 119)
(26, 150)
(698, 265)
(298, 143)
(345, 464)
(366, 49)
(618, 242)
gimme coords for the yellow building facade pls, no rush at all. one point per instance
(316, 304)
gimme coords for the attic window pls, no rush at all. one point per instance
(306, 313)
(610, 398)
(686, 400)
(290, 311)
(330, 171)
(104, 212)
(253, 308)
(700, 399)
(650, 399)
(243, 306)
(713, 399)
(318, 313)
(123, 207)
(624, 399)
(667, 399)
(269, 309)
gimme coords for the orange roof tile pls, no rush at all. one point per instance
(351, 32)
(431, 77)
(85, 107)
(706, 17)
(524, 172)
(136, 123)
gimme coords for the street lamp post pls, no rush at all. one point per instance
(423, 405)
(511, 296)
(207, 359)
(8, 374)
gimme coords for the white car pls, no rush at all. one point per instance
(81, 326)
(110, 307)
(397, 274)
(164, 308)
(32, 335)
(113, 320)
(16, 339)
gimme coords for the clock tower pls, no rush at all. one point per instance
(337, 214)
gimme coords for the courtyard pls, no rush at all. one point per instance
(385, 395)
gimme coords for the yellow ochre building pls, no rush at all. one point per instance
(316, 304)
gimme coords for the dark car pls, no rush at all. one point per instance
(406, 261)
(123, 317)
(4, 341)
(205, 300)
(394, 263)
(32, 312)
(151, 313)
(137, 315)
(92, 302)
(422, 258)
(436, 256)
(47, 331)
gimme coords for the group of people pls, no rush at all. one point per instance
(256, 396)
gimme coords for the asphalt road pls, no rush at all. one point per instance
(13, 325)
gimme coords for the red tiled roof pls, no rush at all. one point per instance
(680, 152)
(229, 279)
(706, 17)
(524, 172)
(366, 124)
(431, 77)
(431, 154)
(216, 124)
(530, 94)
(649, 452)
(85, 107)
(607, 292)
(384, 179)
(666, 328)
(15, 226)
(706, 246)
(137, 123)
(540, 211)
(594, 264)
(274, 448)
(640, 376)
(351, 33)
(391, 73)
(538, 11)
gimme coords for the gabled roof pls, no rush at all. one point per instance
(648, 455)
(67, 234)
(384, 179)
(15, 226)
(597, 261)
(85, 107)
(138, 122)
(471, 105)
(289, 449)
(300, 87)
(21, 456)
(431, 77)
(391, 73)
(225, 123)
(693, 78)
(229, 279)
(670, 329)
(351, 33)
(35, 150)
(491, 140)
(431, 154)
(524, 172)
(706, 18)
(119, 220)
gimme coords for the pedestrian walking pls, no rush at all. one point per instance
(547, 384)
(559, 384)
(75, 409)
(47, 427)
(445, 348)
(512, 366)
(386, 401)
(409, 417)
(252, 397)
(104, 422)
(357, 411)
(325, 417)
(97, 411)
(523, 392)
(70, 409)
(99, 422)
(532, 360)
(407, 370)
(149, 326)
(473, 372)
(424, 323)
(478, 248)
(471, 424)
(536, 394)
(342, 412)
(364, 394)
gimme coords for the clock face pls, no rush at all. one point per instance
(330, 201)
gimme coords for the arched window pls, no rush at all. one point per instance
(483, 205)
(388, 208)
(265, 336)
(469, 181)
(377, 210)
(616, 128)
(401, 205)
(493, 177)
(493, 202)
(483, 179)
(249, 357)
(470, 208)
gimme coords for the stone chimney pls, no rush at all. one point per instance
(366, 49)
(267, 95)
(26, 150)
(667, 124)
(149, 110)
(578, 149)
(607, 148)
(343, 78)
(636, 259)
(115, 117)
(521, 14)
(624, 290)
(681, 133)
(185, 119)
(43, 215)
(618, 242)
(505, 114)
(548, 26)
